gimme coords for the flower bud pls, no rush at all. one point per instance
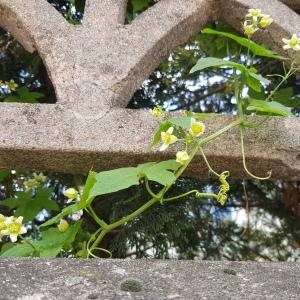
(63, 225)
(71, 193)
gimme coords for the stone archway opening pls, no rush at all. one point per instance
(23, 74)
(211, 91)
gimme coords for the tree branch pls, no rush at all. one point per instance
(216, 88)
(104, 13)
(31, 21)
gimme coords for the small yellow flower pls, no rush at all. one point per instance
(249, 30)
(157, 112)
(14, 228)
(12, 85)
(40, 177)
(293, 43)
(182, 157)
(265, 21)
(167, 138)
(31, 184)
(63, 225)
(71, 194)
(197, 128)
(254, 14)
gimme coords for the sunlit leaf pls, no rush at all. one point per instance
(160, 172)
(273, 107)
(253, 47)
(114, 180)
(184, 122)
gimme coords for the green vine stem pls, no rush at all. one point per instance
(150, 192)
(207, 163)
(95, 217)
(160, 195)
(198, 195)
(244, 159)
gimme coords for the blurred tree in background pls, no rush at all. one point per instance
(261, 219)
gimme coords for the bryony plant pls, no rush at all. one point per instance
(187, 133)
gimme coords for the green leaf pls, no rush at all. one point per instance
(253, 47)
(114, 180)
(259, 78)
(273, 107)
(29, 207)
(53, 240)
(254, 80)
(159, 172)
(253, 83)
(4, 174)
(200, 116)
(256, 95)
(207, 62)
(285, 97)
(24, 96)
(22, 198)
(6, 246)
(51, 243)
(18, 250)
(89, 183)
(66, 211)
(184, 122)
(139, 5)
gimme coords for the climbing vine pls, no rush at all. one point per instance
(186, 132)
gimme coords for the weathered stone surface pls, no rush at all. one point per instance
(294, 4)
(120, 137)
(95, 69)
(39, 279)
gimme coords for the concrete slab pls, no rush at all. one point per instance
(41, 279)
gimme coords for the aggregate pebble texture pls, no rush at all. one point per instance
(41, 279)
(96, 67)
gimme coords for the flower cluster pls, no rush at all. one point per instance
(168, 138)
(11, 85)
(33, 183)
(255, 20)
(157, 112)
(12, 227)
